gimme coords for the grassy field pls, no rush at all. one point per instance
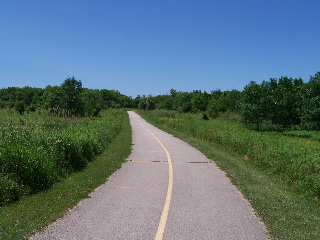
(38, 150)
(20, 219)
(277, 172)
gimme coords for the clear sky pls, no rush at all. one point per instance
(142, 47)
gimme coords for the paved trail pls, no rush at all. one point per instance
(166, 190)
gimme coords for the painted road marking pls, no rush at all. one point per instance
(166, 207)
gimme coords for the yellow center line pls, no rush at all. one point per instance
(166, 207)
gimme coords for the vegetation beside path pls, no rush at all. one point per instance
(273, 170)
(36, 151)
(30, 214)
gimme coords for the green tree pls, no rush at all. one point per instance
(311, 103)
(147, 103)
(199, 101)
(20, 107)
(29, 95)
(230, 100)
(182, 102)
(93, 102)
(9, 96)
(165, 102)
(71, 102)
(256, 104)
(114, 99)
(286, 101)
(173, 92)
(213, 108)
(52, 99)
(223, 101)
(65, 100)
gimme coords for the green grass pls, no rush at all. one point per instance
(287, 209)
(36, 151)
(24, 218)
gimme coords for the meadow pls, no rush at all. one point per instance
(38, 150)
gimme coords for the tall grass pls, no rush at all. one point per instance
(37, 151)
(295, 158)
(31, 214)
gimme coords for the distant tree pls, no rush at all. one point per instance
(277, 101)
(12, 96)
(230, 100)
(165, 102)
(9, 96)
(142, 103)
(286, 101)
(216, 94)
(127, 102)
(223, 101)
(256, 104)
(182, 102)
(71, 102)
(173, 92)
(65, 100)
(311, 103)
(29, 95)
(20, 107)
(114, 99)
(199, 101)
(147, 103)
(93, 102)
(213, 108)
(52, 99)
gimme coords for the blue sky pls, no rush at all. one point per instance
(142, 47)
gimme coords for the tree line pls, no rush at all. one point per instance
(69, 99)
(281, 103)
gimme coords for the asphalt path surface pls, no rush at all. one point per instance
(166, 190)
